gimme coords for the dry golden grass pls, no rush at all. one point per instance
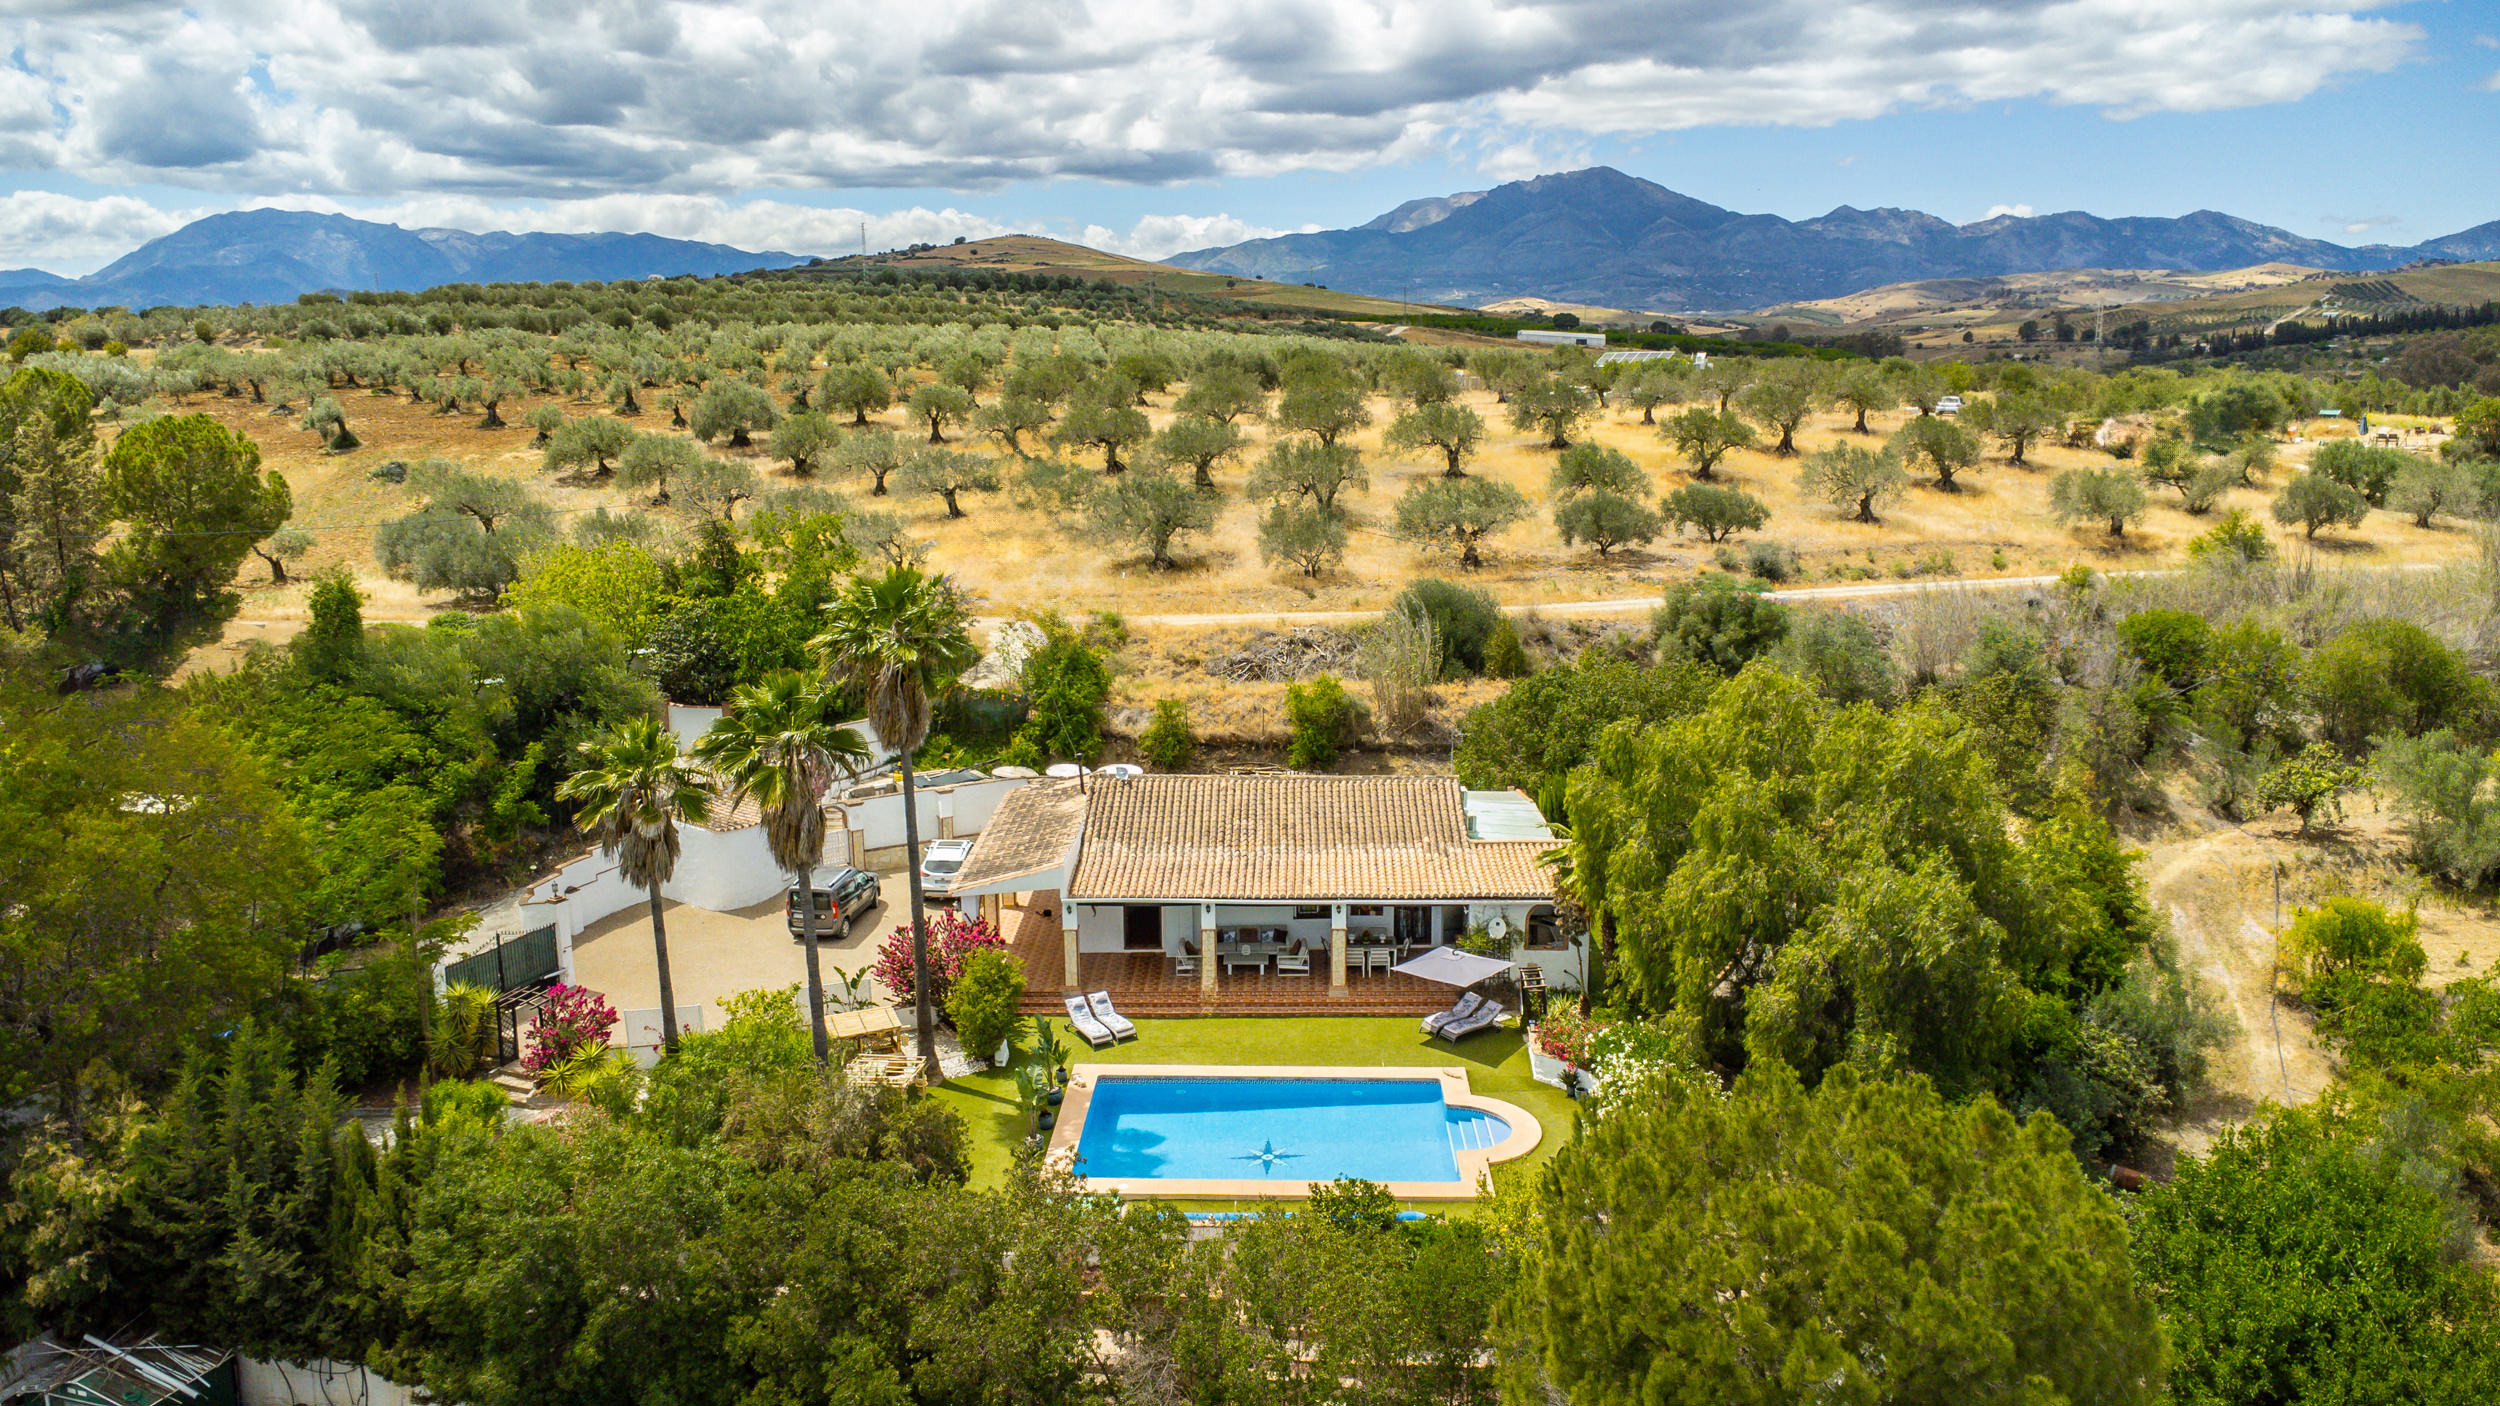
(1998, 525)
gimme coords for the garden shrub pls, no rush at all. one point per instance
(2355, 936)
(983, 1002)
(1504, 656)
(1323, 719)
(1719, 623)
(1168, 743)
(574, 1018)
(1463, 619)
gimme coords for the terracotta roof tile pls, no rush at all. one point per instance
(1029, 832)
(1272, 838)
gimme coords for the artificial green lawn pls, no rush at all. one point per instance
(1496, 1062)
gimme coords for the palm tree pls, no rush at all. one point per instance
(780, 745)
(634, 788)
(898, 638)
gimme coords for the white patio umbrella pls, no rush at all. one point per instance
(1451, 967)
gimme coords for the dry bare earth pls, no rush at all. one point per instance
(2214, 882)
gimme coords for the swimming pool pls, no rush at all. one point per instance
(1158, 1130)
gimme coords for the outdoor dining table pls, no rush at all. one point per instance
(868, 1025)
(1254, 955)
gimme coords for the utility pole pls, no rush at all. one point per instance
(863, 239)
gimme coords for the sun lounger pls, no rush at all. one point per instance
(1465, 1007)
(1120, 1026)
(1094, 1031)
(1485, 1017)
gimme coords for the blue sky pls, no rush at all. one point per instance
(1155, 127)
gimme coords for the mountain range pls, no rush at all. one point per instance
(270, 256)
(1602, 237)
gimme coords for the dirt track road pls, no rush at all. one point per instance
(1626, 605)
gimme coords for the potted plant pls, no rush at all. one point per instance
(1052, 1055)
(1034, 1095)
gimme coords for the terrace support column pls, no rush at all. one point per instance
(1336, 952)
(1069, 929)
(1206, 951)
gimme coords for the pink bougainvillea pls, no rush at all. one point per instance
(1564, 1034)
(573, 1018)
(952, 938)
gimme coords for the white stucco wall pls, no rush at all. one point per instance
(316, 1383)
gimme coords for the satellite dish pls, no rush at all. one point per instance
(1499, 928)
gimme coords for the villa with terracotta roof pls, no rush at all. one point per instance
(1182, 893)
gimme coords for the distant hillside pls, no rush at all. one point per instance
(270, 256)
(1033, 253)
(1605, 238)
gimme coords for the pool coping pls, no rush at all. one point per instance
(1475, 1165)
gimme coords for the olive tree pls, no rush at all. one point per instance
(1308, 536)
(1946, 448)
(2016, 418)
(1782, 399)
(1716, 513)
(872, 454)
(1442, 425)
(1101, 416)
(1853, 478)
(1593, 468)
(1459, 513)
(734, 410)
(803, 440)
(2312, 501)
(2111, 497)
(590, 444)
(1605, 519)
(1151, 508)
(653, 459)
(858, 387)
(471, 536)
(948, 473)
(1553, 407)
(940, 404)
(1201, 443)
(1704, 437)
(1010, 418)
(1301, 468)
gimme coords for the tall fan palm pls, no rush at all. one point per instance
(634, 789)
(899, 638)
(780, 744)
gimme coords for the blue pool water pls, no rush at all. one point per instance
(1278, 1129)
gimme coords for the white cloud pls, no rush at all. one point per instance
(2492, 84)
(1158, 236)
(2020, 212)
(570, 99)
(70, 235)
(67, 235)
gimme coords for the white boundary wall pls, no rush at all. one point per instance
(724, 872)
(317, 1383)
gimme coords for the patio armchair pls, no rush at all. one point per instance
(1186, 964)
(1294, 960)
(1486, 1017)
(1120, 1026)
(1081, 1016)
(1464, 1007)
